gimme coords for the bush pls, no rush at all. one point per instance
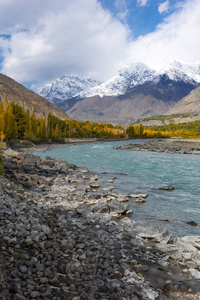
(1, 166)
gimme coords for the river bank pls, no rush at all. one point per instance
(181, 146)
(63, 236)
(30, 147)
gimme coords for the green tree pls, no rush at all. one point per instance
(20, 118)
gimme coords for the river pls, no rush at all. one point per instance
(145, 172)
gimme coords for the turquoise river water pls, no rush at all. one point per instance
(146, 172)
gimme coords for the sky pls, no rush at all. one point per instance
(42, 40)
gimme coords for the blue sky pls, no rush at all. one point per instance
(42, 40)
(142, 17)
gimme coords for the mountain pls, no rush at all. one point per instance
(17, 93)
(190, 103)
(66, 87)
(137, 91)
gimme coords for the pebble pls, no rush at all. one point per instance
(56, 247)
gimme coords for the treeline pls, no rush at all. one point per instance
(139, 131)
(16, 123)
(185, 130)
(169, 118)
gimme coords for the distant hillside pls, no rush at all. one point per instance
(161, 120)
(190, 103)
(17, 93)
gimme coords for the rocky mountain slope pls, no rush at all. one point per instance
(12, 91)
(190, 103)
(137, 91)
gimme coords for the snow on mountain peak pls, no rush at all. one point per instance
(66, 87)
(130, 76)
(180, 71)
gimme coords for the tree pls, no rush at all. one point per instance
(20, 118)
(130, 131)
(10, 130)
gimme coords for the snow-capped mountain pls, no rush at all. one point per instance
(127, 78)
(66, 87)
(133, 75)
(178, 71)
(137, 91)
(138, 74)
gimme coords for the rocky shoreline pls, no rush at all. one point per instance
(167, 145)
(63, 236)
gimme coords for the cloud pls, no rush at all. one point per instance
(176, 38)
(48, 40)
(163, 7)
(142, 2)
(80, 38)
(121, 6)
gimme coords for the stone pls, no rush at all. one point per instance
(194, 240)
(94, 184)
(40, 267)
(184, 246)
(35, 294)
(10, 152)
(167, 188)
(138, 195)
(45, 229)
(195, 257)
(117, 206)
(172, 250)
(23, 269)
(100, 208)
(195, 273)
(156, 232)
(43, 279)
(140, 200)
(192, 223)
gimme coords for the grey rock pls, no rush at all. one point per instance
(23, 269)
(167, 188)
(156, 232)
(94, 184)
(195, 273)
(172, 250)
(35, 294)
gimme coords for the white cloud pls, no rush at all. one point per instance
(142, 2)
(79, 37)
(74, 37)
(163, 7)
(177, 38)
(121, 6)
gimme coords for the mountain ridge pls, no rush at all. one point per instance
(143, 91)
(12, 91)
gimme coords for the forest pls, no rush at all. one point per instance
(185, 130)
(16, 123)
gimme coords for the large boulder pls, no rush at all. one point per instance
(194, 240)
(114, 206)
(171, 250)
(155, 232)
